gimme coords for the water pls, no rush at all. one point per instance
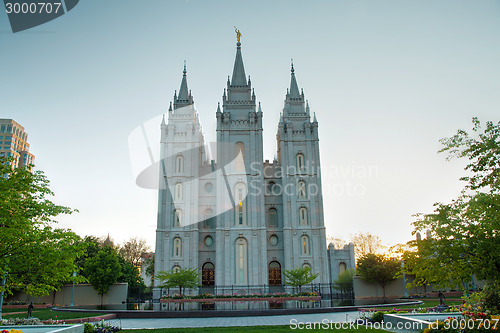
(239, 305)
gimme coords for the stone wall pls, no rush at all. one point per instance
(85, 294)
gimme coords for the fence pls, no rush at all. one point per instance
(325, 290)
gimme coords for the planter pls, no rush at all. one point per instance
(240, 299)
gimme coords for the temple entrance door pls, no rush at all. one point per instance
(274, 273)
(208, 275)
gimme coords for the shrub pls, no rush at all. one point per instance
(378, 317)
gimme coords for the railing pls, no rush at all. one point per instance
(325, 290)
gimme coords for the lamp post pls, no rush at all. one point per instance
(73, 290)
(404, 277)
(4, 280)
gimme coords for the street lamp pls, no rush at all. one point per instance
(4, 280)
(73, 290)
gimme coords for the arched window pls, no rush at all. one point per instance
(240, 160)
(300, 162)
(240, 211)
(179, 164)
(273, 217)
(241, 261)
(178, 192)
(302, 190)
(209, 219)
(304, 245)
(306, 265)
(177, 218)
(177, 247)
(303, 216)
(271, 186)
(176, 268)
(342, 267)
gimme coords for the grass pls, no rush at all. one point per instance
(278, 329)
(45, 314)
(428, 303)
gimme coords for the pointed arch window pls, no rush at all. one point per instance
(300, 162)
(302, 190)
(177, 247)
(178, 192)
(342, 267)
(304, 245)
(273, 217)
(240, 159)
(303, 216)
(177, 218)
(241, 261)
(240, 211)
(208, 219)
(179, 164)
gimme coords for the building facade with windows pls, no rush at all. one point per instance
(240, 220)
(14, 143)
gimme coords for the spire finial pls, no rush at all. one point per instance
(238, 34)
(184, 71)
(293, 70)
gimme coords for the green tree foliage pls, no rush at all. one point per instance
(103, 270)
(345, 282)
(183, 278)
(130, 274)
(36, 257)
(464, 233)
(149, 263)
(378, 268)
(298, 277)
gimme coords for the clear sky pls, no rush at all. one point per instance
(386, 78)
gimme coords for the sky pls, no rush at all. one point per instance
(387, 80)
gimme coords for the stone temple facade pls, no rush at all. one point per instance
(239, 220)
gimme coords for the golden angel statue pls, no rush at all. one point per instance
(238, 34)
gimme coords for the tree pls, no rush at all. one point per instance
(464, 233)
(35, 257)
(130, 274)
(300, 276)
(378, 268)
(133, 250)
(345, 282)
(366, 243)
(337, 242)
(103, 270)
(149, 263)
(182, 278)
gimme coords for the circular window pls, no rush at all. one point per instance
(273, 240)
(209, 187)
(209, 241)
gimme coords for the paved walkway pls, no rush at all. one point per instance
(233, 321)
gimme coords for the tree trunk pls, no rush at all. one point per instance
(102, 296)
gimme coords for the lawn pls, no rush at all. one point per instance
(45, 314)
(278, 329)
(428, 303)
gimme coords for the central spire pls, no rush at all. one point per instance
(184, 98)
(239, 77)
(294, 87)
